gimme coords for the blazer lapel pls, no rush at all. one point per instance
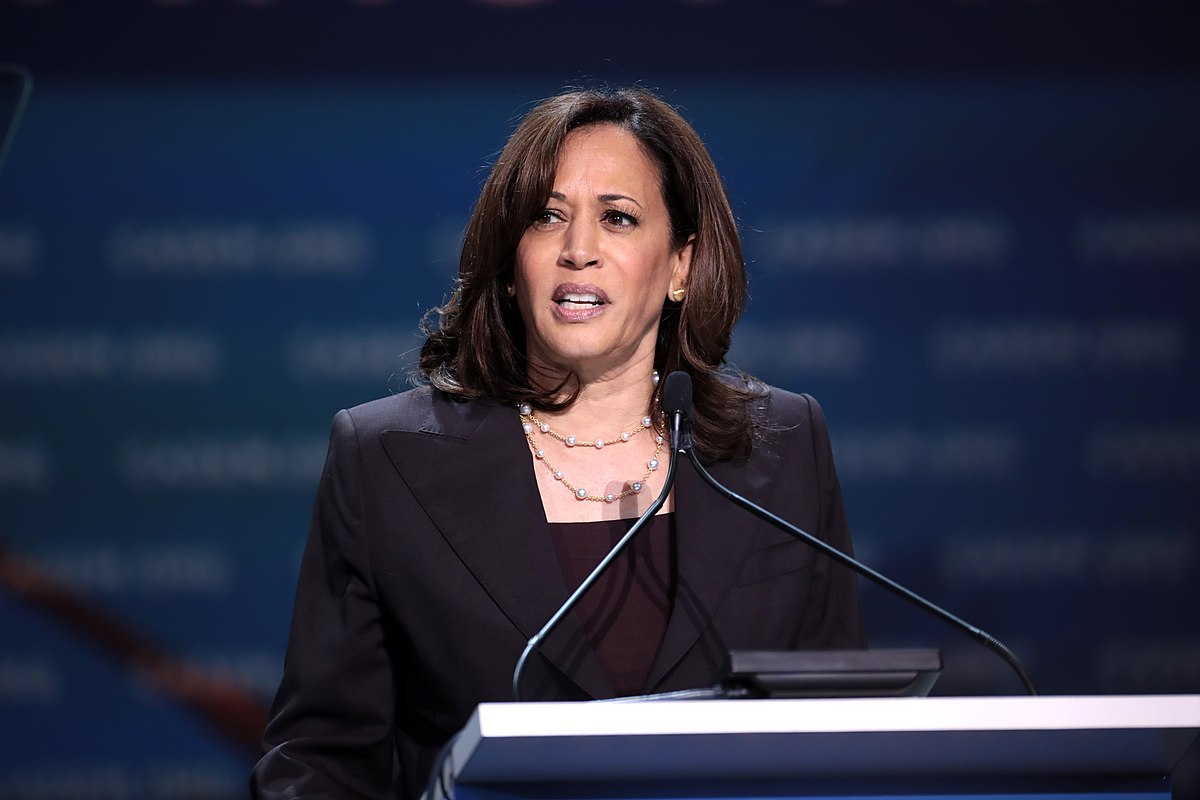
(713, 538)
(468, 466)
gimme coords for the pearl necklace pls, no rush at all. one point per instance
(530, 423)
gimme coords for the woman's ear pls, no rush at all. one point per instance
(681, 269)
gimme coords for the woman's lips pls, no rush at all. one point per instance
(575, 302)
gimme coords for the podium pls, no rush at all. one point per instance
(1089, 748)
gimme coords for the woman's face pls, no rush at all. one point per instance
(595, 265)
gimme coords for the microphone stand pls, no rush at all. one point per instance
(978, 634)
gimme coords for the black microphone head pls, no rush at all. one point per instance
(677, 395)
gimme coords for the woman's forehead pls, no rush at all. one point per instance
(606, 153)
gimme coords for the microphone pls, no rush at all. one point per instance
(684, 407)
(677, 406)
(679, 387)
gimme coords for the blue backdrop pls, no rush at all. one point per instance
(990, 282)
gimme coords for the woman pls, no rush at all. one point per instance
(452, 520)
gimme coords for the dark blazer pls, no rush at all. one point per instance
(429, 565)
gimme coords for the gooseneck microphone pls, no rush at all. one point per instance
(677, 407)
(677, 391)
(683, 422)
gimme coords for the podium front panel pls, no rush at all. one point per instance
(1027, 747)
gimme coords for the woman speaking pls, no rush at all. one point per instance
(452, 520)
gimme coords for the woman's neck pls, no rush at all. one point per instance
(607, 405)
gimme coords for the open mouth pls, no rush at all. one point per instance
(579, 298)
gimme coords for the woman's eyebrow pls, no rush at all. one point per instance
(604, 198)
(610, 198)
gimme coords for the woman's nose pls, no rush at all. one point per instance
(581, 246)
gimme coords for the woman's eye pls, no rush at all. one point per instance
(545, 217)
(620, 219)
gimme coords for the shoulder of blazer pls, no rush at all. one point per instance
(422, 410)
(783, 409)
(782, 421)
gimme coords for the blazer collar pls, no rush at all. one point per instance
(468, 466)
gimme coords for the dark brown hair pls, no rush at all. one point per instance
(477, 348)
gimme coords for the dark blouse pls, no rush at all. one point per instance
(625, 613)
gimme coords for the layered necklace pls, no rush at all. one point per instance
(534, 427)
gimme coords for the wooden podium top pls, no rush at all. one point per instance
(824, 739)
